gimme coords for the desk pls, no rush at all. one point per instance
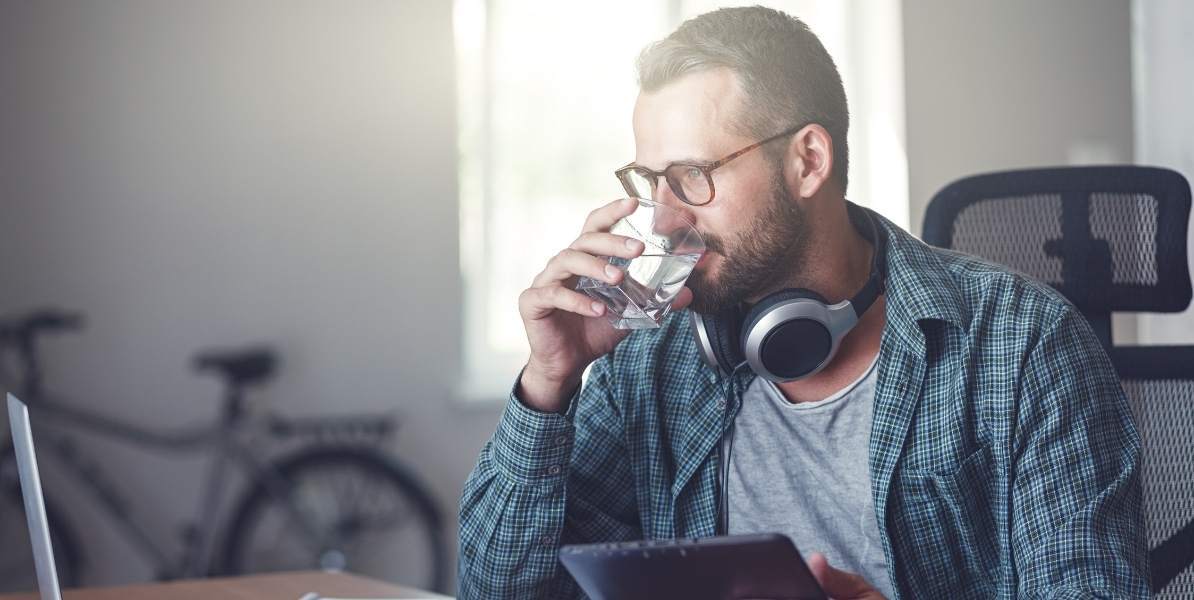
(274, 586)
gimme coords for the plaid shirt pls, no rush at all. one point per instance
(1003, 457)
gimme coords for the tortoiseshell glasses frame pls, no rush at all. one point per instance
(690, 182)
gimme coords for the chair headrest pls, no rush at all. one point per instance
(1109, 238)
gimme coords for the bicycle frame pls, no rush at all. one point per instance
(221, 436)
(196, 556)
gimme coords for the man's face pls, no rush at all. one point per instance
(754, 231)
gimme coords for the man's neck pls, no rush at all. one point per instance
(837, 259)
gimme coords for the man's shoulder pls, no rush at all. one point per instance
(975, 294)
(983, 275)
(994, 295)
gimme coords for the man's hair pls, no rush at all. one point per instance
(786, 74)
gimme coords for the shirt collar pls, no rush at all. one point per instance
(918, 286)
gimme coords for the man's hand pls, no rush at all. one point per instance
(840, 585)
(564, 327)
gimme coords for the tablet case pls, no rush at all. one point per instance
(715, 568)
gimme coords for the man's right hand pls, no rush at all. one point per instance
(566, 328)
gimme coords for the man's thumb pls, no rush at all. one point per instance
(835, 583)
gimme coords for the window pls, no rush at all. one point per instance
(545, 94)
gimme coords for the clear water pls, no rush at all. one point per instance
(645, 295)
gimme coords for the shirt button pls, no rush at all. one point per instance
(554, 469)
(547, 540)
(721, 403)
(560, 441)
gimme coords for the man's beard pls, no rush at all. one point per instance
(773, 246)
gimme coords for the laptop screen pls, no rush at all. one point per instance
(35, 507)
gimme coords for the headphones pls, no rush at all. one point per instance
(793, 333)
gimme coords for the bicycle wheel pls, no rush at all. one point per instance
(349, 508)
(17, 572)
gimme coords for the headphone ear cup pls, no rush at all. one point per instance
(762, 307)
(790, 349)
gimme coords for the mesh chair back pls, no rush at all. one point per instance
(1109, 239)
(1159, 382)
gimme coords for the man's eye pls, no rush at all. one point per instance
(693, 173)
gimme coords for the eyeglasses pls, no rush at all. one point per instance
(691, 182)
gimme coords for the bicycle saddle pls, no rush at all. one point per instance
(241, 366)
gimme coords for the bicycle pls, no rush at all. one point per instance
(335, 502)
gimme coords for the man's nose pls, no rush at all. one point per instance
(665, 195)
(674, 221)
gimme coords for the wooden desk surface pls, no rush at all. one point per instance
(274, 586)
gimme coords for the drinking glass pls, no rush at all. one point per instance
(653, 279)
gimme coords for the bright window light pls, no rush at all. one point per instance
(545, 93)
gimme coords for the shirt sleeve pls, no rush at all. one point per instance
(544, 480)
(1077, 523)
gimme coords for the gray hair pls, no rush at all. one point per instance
(787, 75)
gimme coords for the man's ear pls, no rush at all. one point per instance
(809, 160)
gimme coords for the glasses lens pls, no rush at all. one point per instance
(639, 184)
(690, 183)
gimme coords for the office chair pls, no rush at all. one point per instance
(1111, 239)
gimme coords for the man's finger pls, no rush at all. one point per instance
(569, 263)
(837, 583)
(603, 218)
(600, 243)
(537, 303)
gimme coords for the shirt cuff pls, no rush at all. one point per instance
(533, 447)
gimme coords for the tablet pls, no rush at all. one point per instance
(714, 568)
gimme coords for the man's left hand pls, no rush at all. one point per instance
(840, 585)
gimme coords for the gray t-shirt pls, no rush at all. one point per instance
(801, 470)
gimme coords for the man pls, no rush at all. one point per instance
(968, 439)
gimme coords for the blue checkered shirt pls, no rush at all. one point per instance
(1003, 458)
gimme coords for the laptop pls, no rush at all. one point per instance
(35, 506)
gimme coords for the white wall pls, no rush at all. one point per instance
(208, 173)
(1163, 52)
(995, 85)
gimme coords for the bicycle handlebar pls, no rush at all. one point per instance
(44, 320)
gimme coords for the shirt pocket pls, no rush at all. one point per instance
(947, 523)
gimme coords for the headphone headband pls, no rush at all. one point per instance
(864, 222)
